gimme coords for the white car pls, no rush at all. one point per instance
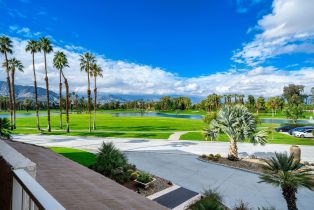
(306, 133)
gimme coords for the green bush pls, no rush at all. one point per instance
(211, 200)
(134, 175)
(218, 156)
(203, 156)
(112, 163)
(144, 177)
(211, 156)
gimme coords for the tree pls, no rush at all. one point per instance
(96, 72)
(46, 47)
(312, 95)
(275, 103)
(86, 63)
(5, 128)
(294, 93)
(250, 104)
(14, 65)
(5, 49)
(33, 47)
(288, 173)
(239, 125)
(60, 61)
(260, 104)
(27, 104)
(294, 111)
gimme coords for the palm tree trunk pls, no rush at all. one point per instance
(47, 93)
(289, 195)
(36, 95)
(233, 150)
(9, 90)
(67, 102)
(13, 96)
(95, 102)
(89, 102)
(60, 99)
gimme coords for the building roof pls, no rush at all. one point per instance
(77, 187)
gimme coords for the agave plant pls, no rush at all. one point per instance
(5, 128)
(288, 173)
(239, 125)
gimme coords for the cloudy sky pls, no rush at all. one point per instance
(165, 47)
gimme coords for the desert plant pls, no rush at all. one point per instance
(144, 177)
(5, 128)
(134, 175)
(108, 159)
(241, 206)
(239, 125)
(288, 173)
(211, 200)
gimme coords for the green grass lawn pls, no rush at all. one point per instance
(307, 115)
(82, 157)
(112, 126)
(273, 138)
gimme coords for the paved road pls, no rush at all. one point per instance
(176, 161)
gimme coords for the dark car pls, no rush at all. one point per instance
(285, 128)
(300, 129)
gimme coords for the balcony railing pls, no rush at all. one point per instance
(28, 194)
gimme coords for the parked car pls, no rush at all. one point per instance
(305, 133)
(285, 128)
(291, 132)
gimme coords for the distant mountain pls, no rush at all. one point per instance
(23, 92)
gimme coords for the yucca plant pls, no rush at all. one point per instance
(288, 173)
(5, 128)
(239, 125)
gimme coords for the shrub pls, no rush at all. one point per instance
(144, 177)
(242, 206)
(134, 175)
(211, 156)
(218, 156)
(211, 200)
(130, 171)
(110, 161)
(204, 156)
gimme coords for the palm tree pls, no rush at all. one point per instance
(86, 63)
(5, 49)
(5, 128)
(96, 72)
(46, 47)
(14, 65)
(239, 125)
(288, 173)
(33, 47)
(60, 61)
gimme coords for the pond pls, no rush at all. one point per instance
(156, 114)
(285, 121)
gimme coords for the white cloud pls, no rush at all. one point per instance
(130, 78)
(23, 31)
(288, 29)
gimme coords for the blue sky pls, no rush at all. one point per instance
(186, 40)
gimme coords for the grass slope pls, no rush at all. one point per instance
(82, 157)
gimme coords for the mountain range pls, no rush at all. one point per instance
(23, 92)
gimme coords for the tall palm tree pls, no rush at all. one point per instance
(34, 47)
(288, 173)
(14, 65)
(239, 125)
(46, 47)
(60, 61)
(96, 72)
(86, 63)
(5, 49)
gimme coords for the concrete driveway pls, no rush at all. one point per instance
(176, 161)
